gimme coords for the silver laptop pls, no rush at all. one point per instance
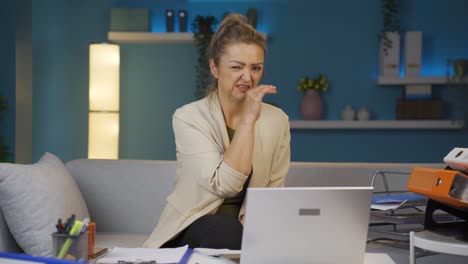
(306, 225)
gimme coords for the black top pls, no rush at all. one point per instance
(231, 206)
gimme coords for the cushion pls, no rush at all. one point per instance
(33, 197)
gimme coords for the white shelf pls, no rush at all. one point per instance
(377, 124)
(153, 37)
(412, 80)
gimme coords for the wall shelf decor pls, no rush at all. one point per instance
(377, 124)
(153, 37)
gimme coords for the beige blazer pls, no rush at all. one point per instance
(203, 179)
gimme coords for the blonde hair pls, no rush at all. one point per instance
(233, 29)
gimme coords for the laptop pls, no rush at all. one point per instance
(306, 225)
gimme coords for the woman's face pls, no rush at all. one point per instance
(240, 68)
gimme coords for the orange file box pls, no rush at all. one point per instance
(446, 186)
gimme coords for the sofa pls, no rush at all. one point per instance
(126, 197)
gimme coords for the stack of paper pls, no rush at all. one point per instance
(215, 256)
(160, 255)
(393, 201)
(200, 255)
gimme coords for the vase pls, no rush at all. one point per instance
(363, 114)
(182, 21)
(169, 20)
(312, 105)
(348, 113)
(389, 56)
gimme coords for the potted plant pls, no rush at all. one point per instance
(312, 105)
(319, 84)
(4, 154)
(202, 28)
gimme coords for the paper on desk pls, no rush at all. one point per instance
(394, 200)
(198, 258)
(217, 252)
(160, 255)
(390, 205)
(377, 258)
(211, 256)
(214, 256)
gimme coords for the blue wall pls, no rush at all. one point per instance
(61, 33)
(338, 38)
(7, 72)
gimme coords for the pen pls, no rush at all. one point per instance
(59, 226)
(69, 224)
(99, 252)
(85, 225)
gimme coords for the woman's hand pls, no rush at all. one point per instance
(239, 153)
(253, 102)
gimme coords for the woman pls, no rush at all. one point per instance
(226, 142)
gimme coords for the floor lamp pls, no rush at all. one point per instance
(104, 93)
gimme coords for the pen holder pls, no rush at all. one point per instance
(71, 247)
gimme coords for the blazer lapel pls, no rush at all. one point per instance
(217, 113)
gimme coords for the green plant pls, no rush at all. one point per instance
(202, 28)
(390, 10)
(320, 83)
(4, 154)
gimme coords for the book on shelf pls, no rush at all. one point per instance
(419, 109)
(418, 91)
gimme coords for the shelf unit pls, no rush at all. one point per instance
(154, 37)
(151, 37)
(430, 80)
(377, 124)
(421, 88)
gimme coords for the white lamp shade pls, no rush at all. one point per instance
(104, 75)
(103, 138)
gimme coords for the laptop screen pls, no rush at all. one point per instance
(306, 225)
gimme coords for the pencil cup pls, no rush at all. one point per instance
(71, 247)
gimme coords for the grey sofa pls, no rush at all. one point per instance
(126, 197)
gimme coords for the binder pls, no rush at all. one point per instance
(446, 186)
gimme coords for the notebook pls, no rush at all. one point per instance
(306, 225)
